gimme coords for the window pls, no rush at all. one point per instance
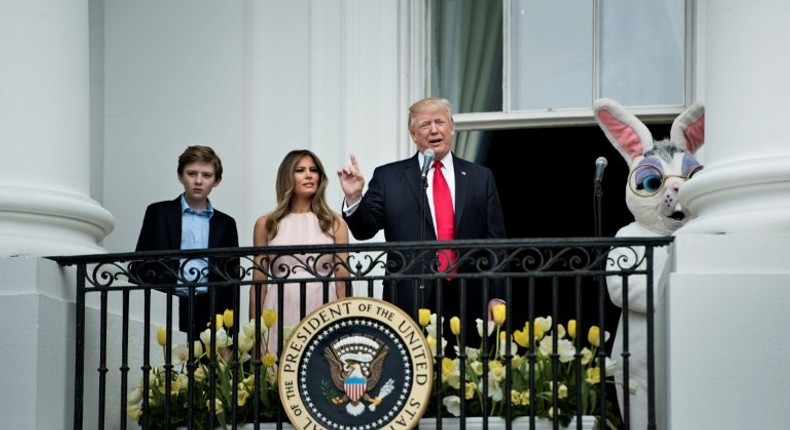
(521, 58)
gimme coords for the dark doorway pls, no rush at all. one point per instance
(545, 178)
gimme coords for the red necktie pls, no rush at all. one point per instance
(445, 218)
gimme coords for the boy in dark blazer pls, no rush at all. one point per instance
(191, 222)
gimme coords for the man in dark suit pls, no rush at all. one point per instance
(395, 200)
(191, 222)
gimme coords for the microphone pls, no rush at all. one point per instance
(600, 164)
(426, 164)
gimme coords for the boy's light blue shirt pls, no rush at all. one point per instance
(194, 235)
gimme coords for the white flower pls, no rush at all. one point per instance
(246, 343)
(504, 345)
(562, 390)
(494, 389)
(491, 327)
(221, 337)
(565, 348)
(249, 328)
(543, 323)
(472, 354)
(560, 331)
(198, 348)
(180, 354)
(432, 325)
(183, 382)
(453, 405)
(477, 367)
(586, 356)
(135, 396)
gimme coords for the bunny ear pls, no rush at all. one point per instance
(624, 130)
(688, 129)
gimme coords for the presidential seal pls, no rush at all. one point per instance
(355, 364)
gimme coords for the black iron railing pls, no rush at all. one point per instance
(564, 279)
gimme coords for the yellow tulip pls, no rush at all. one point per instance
(525, 398)
(470, 390)
(424, 317)
(572, 328)
(161, 336)
(455, 325)
(521, 338)
(593, 376)
(594, 336)
(200, 374)
(268, 360)
(542, 326)
(448, 367)
(217, 406)
(431, 341)
(227, 318)
(537, 331)
(218, 321)
(269, 317)
(500, 312)
(515, 397)
(241, 397)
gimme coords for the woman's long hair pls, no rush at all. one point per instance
(285, 193)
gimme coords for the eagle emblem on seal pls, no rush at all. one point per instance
(355, 363)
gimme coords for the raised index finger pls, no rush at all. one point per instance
(354, 163)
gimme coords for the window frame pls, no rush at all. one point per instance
(506, 119)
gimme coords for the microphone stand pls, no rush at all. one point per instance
(602, 291)
(597, 209)
(421, 289)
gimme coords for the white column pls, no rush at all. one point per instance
(44, 131)
(746, 183)
(727, 299)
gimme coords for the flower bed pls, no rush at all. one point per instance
(215, 372)
(547, 352)
(532, 358)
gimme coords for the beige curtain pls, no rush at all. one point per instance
(467, 63)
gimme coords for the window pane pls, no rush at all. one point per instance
(466, 54)
(642, 51)
(551, 58)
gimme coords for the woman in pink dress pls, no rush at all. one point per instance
(301, 217)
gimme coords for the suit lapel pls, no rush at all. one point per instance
(174, 223)
(411, 173)
(461, 189)
(214, 233)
